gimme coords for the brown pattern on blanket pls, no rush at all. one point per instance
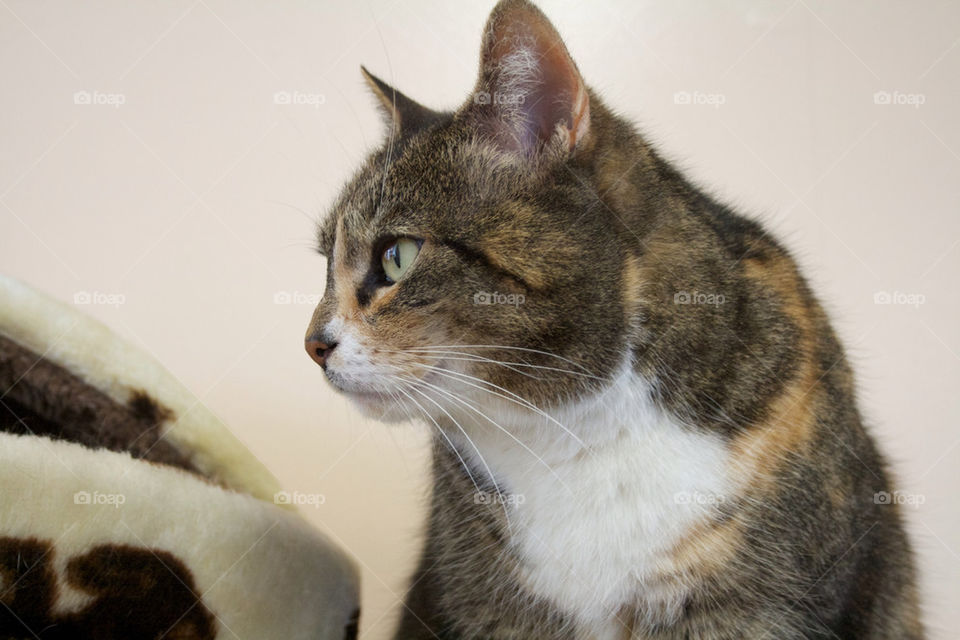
(39, 397)
(137, 593)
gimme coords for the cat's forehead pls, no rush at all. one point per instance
(432, 182)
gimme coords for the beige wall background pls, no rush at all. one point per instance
(180, 182)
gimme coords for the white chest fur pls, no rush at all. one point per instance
(593, 524)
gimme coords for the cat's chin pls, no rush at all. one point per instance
(378, 407)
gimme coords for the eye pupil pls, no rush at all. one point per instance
(398, 257)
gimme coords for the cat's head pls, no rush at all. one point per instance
(472, 255)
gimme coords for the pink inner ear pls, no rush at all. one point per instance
(533, 83)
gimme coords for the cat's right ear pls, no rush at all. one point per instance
(402, 114)
(530, 96)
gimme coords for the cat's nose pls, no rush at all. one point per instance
(319, 350)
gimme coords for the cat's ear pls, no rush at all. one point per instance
(530, 95)
(402, 113)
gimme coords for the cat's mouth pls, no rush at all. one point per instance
(393, 399)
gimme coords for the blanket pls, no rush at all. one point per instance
(128, 510)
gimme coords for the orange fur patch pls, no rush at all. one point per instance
(707, 550)
(758, 453)
(790, 422)
(348, 307)
(632, 282)
(529, 255)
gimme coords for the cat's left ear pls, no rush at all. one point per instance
(402, 113)
(530, 95)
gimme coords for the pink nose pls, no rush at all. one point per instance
(319, 351)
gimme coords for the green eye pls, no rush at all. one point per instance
(398, 257)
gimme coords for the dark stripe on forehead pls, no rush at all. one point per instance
(472, 254)
(355, 243)
(376, 181)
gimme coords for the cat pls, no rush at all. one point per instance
(644, 425)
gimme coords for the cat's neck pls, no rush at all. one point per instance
(499, 425)
(600, 500)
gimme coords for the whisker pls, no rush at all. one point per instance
(472, 357)
(469, 358)
(445, 436)
(517, 399)
(483, 461)
(512, 348)
(456, 398)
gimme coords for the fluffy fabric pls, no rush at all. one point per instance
(129, 511)
(85, 347)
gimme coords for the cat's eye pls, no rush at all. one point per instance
(398, 256)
